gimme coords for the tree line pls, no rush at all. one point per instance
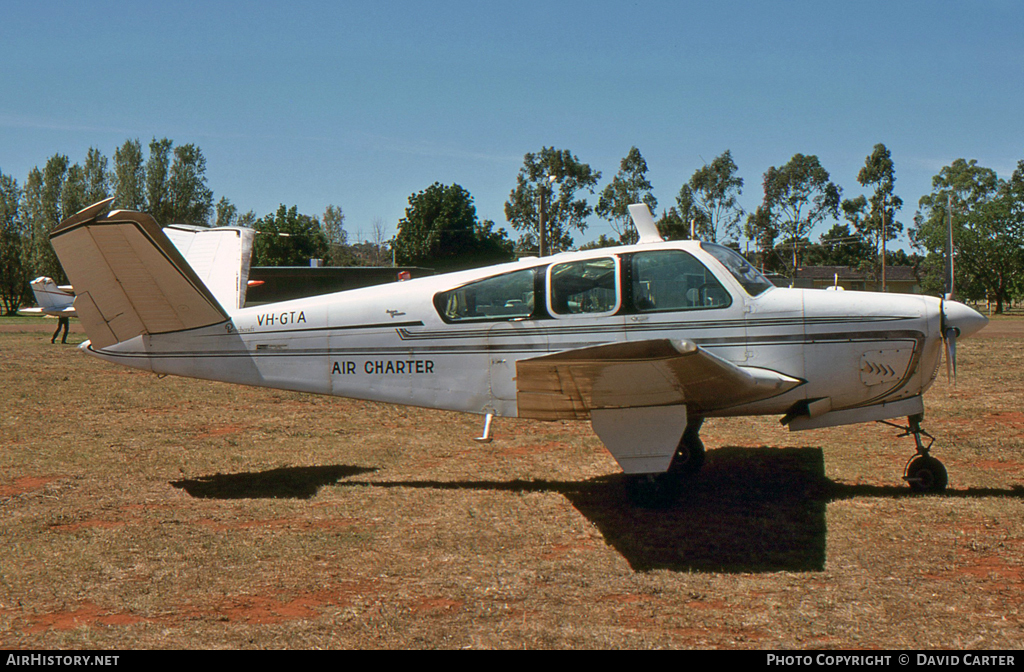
(441, 229)
(986, 214)
(168, 182)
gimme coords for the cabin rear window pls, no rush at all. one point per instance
(502, 297)
(674, 280)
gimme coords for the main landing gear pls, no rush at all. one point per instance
(923, 472)
(655, 491)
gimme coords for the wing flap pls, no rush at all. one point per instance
(660, 372)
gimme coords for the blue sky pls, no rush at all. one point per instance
(361, 104)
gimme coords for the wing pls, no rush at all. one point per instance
(661, 372)
(69, 311)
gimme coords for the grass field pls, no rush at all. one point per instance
(138, 512)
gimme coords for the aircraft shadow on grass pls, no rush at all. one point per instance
(283, 483)
(749, 509)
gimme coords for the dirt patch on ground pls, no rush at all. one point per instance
(25, 484)
(85, 615)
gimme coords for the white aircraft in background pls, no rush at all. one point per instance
(51, 299)
(645, 341)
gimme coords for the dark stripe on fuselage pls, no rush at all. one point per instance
(517, 330)
(915, 337)
(560, 327)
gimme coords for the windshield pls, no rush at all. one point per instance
(748, 276)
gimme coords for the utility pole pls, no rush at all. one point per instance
(542, 245)
(883, 242)
(949, 246)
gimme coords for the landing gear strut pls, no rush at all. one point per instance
(923, 472)
(655, 491)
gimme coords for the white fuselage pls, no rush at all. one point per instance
(393, 343)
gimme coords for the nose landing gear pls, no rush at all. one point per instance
(923, 472)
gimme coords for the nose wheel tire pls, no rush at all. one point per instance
(926, 474)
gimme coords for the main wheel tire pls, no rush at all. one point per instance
(926, 474)
(689, 457)
(653, 491)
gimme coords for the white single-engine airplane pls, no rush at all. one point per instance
(645, 341)
(51, 299)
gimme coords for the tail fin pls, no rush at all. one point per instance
(129, 279)
(220, 257)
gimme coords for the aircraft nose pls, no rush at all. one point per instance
(966, 320)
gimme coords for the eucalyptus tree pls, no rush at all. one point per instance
(42, 210)
(841, 246)
(333, 223)
(190, 198)
(671, 225)
(763, 231)
(96, 176)
(73, 192)
(157, 176)
(553, 176)
(13, 267)
(987, 218)
(879, 172)
(129, 177)
(684, 221)
(874, 218)
(714, 189)
(797, 197)
(227, 213)
(629, 186)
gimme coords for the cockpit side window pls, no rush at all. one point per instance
(665, 280)
(510, 296)
(587, 286)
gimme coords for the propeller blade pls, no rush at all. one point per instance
(949, 340)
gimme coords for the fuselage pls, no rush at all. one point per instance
(452, 341)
